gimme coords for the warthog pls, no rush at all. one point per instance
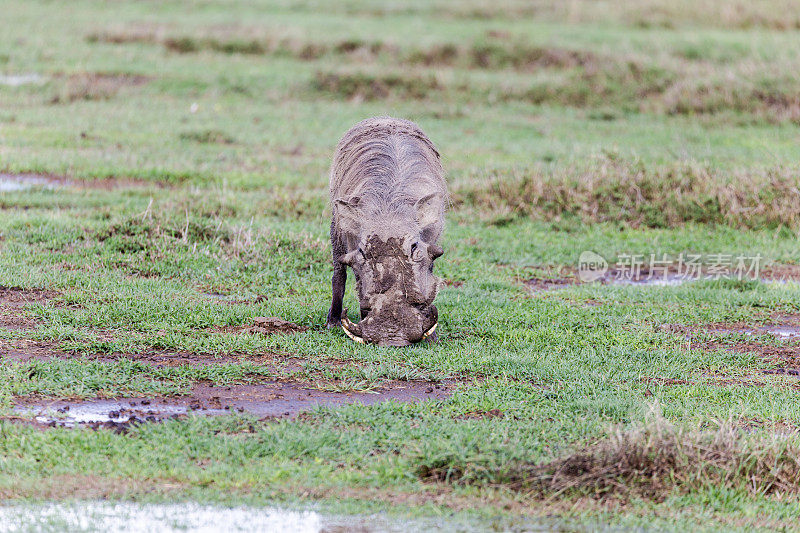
(388, 197)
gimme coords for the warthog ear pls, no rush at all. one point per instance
(348, 212)
(429, 210)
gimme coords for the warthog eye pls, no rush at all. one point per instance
(416, 252)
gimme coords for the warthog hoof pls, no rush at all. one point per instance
(333, 322)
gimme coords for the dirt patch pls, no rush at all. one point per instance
(781, 273)
(271, 399)
(264, 325)
(777, 341)
(549, 284)
(719, 379)
(481, 415)
(779, 326)
(23, 350)
(12, 302)
(16, 297)
(665, 381)
(712, 379)
(785, 427)
(785, 356)
(130, 35)
(784, 371)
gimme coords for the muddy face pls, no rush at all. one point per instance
(396, 288)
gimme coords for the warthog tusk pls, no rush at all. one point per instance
(346, 322)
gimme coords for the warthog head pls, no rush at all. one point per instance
(393, 264)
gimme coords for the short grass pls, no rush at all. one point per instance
(670, 128)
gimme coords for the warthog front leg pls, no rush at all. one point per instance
(338, 283)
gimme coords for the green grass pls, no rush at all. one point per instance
(669, 128)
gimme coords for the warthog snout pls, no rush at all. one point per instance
(396, 289)
(400, 328)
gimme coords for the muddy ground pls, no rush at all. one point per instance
(20, 182)
(269, 399)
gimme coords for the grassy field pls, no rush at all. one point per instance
(189, 144)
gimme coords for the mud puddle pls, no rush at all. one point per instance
(265, 400)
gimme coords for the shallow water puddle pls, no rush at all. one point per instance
(101, 516)
(271, 399)
(21, 182)
(784, 332)
(18, 80)
(27, 181)
(671, 280)
(546, 284)
(91, 516)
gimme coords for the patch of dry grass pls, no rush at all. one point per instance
(94, 86)
(782, 15)
(652, 461)
(207, 227)
(655, 459)
(484, 54)
(614, 191)
(359, 86)
(678, 81)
